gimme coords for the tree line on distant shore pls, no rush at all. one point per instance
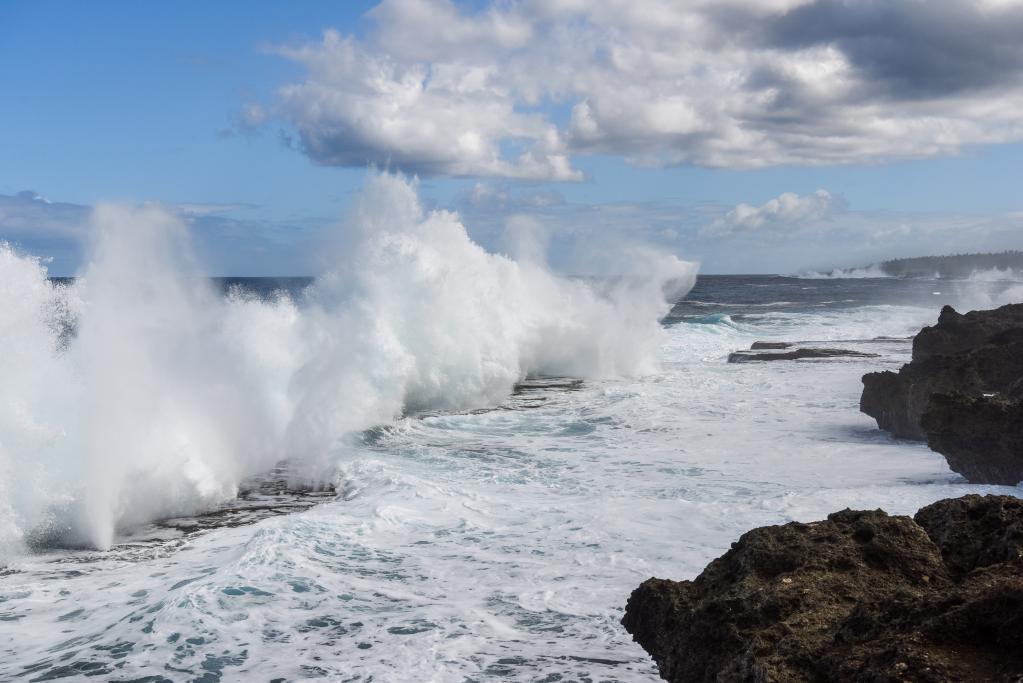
(952, 266)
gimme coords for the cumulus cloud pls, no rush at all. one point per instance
(516, 89)
(785, 212)
(362, 107)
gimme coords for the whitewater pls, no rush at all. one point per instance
(509, 452)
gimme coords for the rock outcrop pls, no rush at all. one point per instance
(861, 596)
(762, 345)
(981, 438)
(760, 351)
(974, 531)
(974, 354)
(957, 333)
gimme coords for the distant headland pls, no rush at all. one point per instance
(952, 267)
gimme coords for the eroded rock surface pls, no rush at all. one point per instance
(974, 354)
(981, 438)
(861, 596)
(956, 333)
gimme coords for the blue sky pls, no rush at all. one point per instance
(154, 101)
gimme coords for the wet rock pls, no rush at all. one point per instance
(974, 354)
(981, 438)
(285, 489)
(762, 345)
(861, 596)
(897, 401)
(795, 354)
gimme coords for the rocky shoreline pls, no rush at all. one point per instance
(864, 595)
(961, 392)
(860, 596)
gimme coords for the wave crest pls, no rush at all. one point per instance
(170, 394)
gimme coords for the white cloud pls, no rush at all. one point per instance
(785, 212)
(736, 84)
(361, 107)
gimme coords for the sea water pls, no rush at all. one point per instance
(492, 537)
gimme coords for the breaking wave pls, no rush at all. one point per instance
(139, 391)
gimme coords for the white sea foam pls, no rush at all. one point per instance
(170, 394)
(500, 543)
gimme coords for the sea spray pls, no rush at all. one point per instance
(874, 271)
(175, 410)
(38, 394)
(171, 394)
(417, 316)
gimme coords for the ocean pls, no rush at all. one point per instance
(430, 463)
(502, 542)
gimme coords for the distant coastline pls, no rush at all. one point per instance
(949, 267)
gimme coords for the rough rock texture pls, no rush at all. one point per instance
(796, 354)
(761, 345)
(974, 354)
(959, 332)
(862, 596)
(981, 438)
(974, 531)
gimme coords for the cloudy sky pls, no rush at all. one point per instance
(751, 135)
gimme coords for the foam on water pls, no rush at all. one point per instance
(471, 545)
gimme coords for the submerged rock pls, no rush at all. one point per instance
(795, 354)
(861, 596)
(974, 354)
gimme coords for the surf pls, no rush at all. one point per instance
(138, 391)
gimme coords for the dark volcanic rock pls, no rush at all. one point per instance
(981, 438)
(898, 400)
(761, 345)
(862, 596)
(958, 332)
(974, 531)
(973, 354)
(795, 354)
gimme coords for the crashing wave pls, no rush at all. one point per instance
(168, 394)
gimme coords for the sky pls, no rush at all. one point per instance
(750, 135)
